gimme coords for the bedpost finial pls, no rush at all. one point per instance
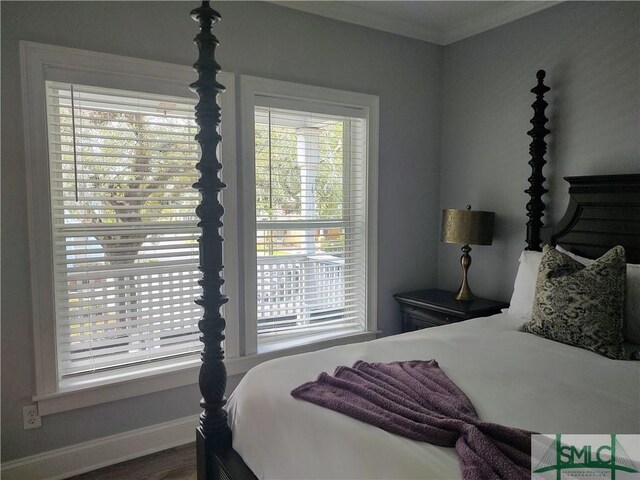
(540, 89)
(205, 14)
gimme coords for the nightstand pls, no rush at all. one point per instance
(430, 308)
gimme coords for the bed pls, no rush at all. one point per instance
(485, 357)
(558, 386)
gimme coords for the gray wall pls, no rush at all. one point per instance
(591, 52)
(257, 39)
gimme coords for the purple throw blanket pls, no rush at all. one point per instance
(417, 400)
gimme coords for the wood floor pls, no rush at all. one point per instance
(174, 464)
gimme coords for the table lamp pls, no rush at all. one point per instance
(467, 227)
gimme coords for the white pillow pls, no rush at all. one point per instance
(524, 288)
(583, 260)
(631, 324)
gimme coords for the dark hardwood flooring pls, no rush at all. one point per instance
(174, 464)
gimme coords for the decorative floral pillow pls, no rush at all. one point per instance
(581, 305)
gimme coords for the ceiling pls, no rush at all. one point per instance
(440, 22)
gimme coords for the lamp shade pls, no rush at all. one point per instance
(467, 227)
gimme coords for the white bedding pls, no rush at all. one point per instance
(512, 378)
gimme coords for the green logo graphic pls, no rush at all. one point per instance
(609, 456)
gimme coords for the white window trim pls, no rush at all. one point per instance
(46, 62)
(179, 376)
(283, 92)
(41, 62)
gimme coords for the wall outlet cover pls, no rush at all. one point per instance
(31, 417)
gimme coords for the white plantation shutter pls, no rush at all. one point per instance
(310, 221)
(124, 228)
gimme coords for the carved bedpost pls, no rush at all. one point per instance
(537, 149)
(213, 433)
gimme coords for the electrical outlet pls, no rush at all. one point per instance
(31, 417)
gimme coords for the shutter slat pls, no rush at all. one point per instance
(131, 270)
(142, 106)
(311, 329)
(94, 137)
(57, 190)
(180, 244)
(61, 89)
(105, 109)
(152, 335)
(117, 155)
(174, 132)
(175, 227)
(97, 362)
(122, 181)
(81, 171)
(129, 286)
(73, 241)
(113, 146)
(178, 315)
(109, 311)
(112, 337)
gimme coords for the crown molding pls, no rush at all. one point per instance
(351, 12)
(500, 16)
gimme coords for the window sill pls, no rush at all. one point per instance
(158, 378)
(288, 342)
(244, 364)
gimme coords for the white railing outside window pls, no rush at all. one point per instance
(300, 292)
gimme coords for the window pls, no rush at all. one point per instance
(113, 234)
(310, 229)
(309, 245)
(125, 233)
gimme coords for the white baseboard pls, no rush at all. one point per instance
(84, 457)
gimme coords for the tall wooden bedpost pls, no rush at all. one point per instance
(537, 149)
(213, 434)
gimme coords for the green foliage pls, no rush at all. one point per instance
(279, 195)
(132, 168)
(278, 173)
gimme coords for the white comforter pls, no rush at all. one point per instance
(512, 378)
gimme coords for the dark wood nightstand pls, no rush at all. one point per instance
(430, 308)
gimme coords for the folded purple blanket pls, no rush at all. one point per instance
(417, 400)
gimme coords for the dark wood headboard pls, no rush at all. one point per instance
(604, 211)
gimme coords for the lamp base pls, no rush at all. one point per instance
(464, 292)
